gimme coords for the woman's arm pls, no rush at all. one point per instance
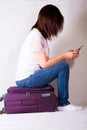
(45, 62)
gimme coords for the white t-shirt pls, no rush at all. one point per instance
(27, 63)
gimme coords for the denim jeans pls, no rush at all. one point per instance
(44, 76)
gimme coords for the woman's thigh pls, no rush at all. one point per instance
(43, 77)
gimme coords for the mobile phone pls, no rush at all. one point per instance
(79, 48)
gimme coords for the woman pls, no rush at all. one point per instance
(35, 67)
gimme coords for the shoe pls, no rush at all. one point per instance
(69, 107)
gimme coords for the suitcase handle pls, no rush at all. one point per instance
(27, 93)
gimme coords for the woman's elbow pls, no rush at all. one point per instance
(43, 65)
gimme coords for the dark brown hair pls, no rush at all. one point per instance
(50, 21)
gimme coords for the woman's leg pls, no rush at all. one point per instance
(62, 84)
(44, 76)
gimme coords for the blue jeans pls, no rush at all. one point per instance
(44, 76)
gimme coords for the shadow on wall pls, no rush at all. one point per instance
(71, 62)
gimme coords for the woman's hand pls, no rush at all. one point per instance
(71, 54)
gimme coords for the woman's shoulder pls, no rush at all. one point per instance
(36, 33)
(33, 34)
(34, 37)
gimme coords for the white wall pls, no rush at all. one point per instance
(17, 17)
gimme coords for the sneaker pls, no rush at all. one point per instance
(69, 107)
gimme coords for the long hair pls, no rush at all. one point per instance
(50, 21)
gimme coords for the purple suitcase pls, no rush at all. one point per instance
(25, 100)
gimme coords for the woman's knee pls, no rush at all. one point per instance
(64, 64)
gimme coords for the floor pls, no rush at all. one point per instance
(76, 120)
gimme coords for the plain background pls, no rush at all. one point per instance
(16, 19)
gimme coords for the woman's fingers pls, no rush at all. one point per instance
(75, 54)
(71, 54)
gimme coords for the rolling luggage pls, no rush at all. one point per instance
(26, 100)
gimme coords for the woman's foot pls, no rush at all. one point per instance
(69, 107)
